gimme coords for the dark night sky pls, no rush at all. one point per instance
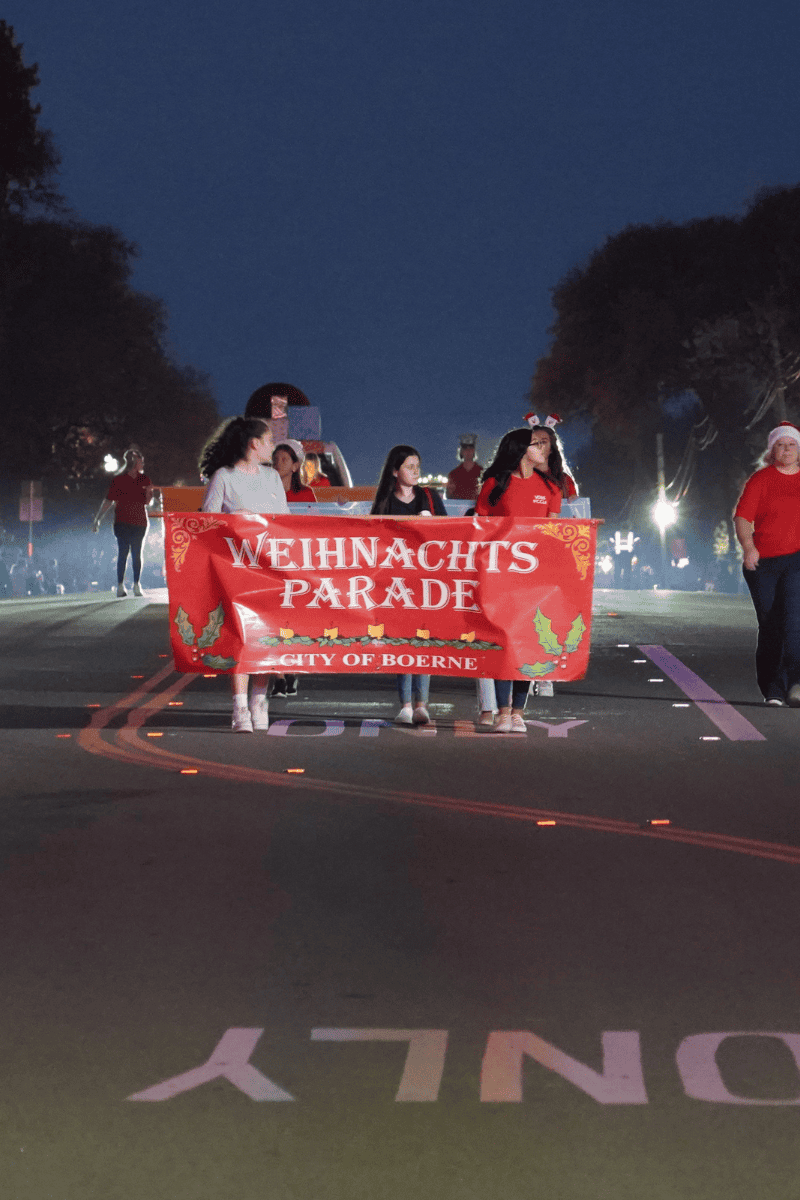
(373, 200)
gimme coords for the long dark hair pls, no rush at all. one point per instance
(509, 455)
(296, 483)
(387, 482)
(228, 444)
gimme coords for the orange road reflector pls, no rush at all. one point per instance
(612, 614)
(545, 822)
(175, 704)
(92, 705)
(295, 770)
(137, 676)
(188, 770)
(163, 656)
(63, 735)
(659, 821)
(155, 735)
(211, 676)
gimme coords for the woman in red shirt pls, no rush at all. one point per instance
(526, 479)
(767, 521)
(129, 495)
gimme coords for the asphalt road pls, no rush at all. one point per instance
(392, 974)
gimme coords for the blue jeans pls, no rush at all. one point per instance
(513, 692)
(416, 684)
(775, 592)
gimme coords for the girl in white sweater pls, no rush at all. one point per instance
(235, 461)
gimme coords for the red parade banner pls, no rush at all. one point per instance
(493, 597)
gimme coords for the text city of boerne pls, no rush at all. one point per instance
(349, 554)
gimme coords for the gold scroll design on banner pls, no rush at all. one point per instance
(577, 537)
(185, 530)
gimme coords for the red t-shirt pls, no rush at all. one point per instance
(770, 500)
(129, 493)
(532, 497)
(304, 496)
(463, 482)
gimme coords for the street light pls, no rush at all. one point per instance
(110, 464)
(664, 514)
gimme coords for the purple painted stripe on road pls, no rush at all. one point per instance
(735, 727)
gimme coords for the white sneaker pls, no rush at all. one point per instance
(518, 723)
(421, 716)
(405, 716)
(137, 590)
(121, 591)
(241, 721)
(503, 724)
(259, 714)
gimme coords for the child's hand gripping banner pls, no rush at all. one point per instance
(492, 597)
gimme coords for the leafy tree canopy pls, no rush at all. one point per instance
(711, 306)
(84, 363)
(28, 158)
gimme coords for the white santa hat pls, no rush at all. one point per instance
(785, 429)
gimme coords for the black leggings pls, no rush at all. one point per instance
(129, 537)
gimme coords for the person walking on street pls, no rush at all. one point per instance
(399, 495)
(767, 522)
(130, 493)
(525, 479)
(235, 460)
(464, 481)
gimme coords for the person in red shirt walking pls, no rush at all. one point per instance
(130, 493)
(526, 479)
(464, 481)
(767, 522)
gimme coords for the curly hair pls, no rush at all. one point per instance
(228, 444)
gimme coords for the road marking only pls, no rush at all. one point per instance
(735, 727)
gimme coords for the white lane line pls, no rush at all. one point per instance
(735, 727)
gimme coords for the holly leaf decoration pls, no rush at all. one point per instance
(538, 669)
(216, 663)
(575, 636)
(210, 633)
(185, 629)
(547, 639)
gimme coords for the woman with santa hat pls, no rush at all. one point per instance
(767, 521)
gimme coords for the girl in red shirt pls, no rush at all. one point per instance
(526, 479)
(287, 459)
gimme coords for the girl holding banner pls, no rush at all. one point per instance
(399, 495)
(235, 461)
(526, 479)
